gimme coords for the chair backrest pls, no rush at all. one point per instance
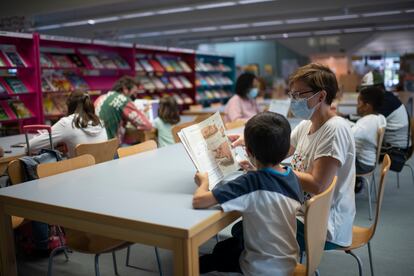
(48, 169)
(412, 137)
(141, 147)
(196, 107)
(380, 137)
(202, 117)
(316, 225)
(216, 105)
(102, 151)
(235, 124)
(386, 163)
(15, 171)
(175, 129)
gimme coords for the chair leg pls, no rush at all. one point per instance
(52, 254)
(398, 180)
(374, 188)
(114, 262)
(127, 256)
(357, 259)
(370, 259)
(97, 265)
(369, 200)
(217, 238)
(317, 273)
(158, 260)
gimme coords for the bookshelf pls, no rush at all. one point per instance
(165, 71)
(69, 64)
(215, 77)
(19, 87)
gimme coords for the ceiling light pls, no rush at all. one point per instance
(150, 34)
(234, 26)
(75, 23)
(48, 27)
(106, 19)
(357, 30)
(176, 10)
(408, 11)
(137, 15)
(216, 5)
(171, 32)
(285, 35)
(302, 20)
(91, 21)
(371, 14)
(340, 17)
(267, 23)
(203, 29)
(243, 2)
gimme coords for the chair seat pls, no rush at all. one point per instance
(17, 221)
(90, 243)
(300, 269)
(360, 237)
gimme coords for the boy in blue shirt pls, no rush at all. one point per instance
(268, 199)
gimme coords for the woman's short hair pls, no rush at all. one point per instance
(318, 77)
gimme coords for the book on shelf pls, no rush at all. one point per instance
(62, 61)
(55, 105)
(45, 61)
(167, 83)
(147, 83)
(46, 86)
(187, 99)
(185, 66)
(14, 59)
(209, 148)
(77, 82)
(158, 83)
(176, 66)
(16, 85)
(2, 62)
(57, 82)
(138, 67)
(146, 65)
(95, 62)
(156, 65)
(178, 99)
(3, 90)
(76, 60)
(108, 62)
(19, 109)
(166, 64)
(185, 82)
(177, 84)
(121, 63)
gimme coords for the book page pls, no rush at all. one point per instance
(280, 106)
(209, 148)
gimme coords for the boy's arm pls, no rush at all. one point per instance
(203, 198)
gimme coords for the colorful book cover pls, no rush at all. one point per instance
(176, 83)
(76, 60)
(158, 83)
(176, 66)
(3, 90)
(146, 65)
(147, 83)
(108, 62)
(78, 83)
(16, 85)
(138, 67)
(62, 61)
(185, 66)
(167, 66)
(2, 62)
(95, 62)
(121, 63)
(19, 109)
(167, 83)
(15, 59)
(185, 82)
(45, 61)
(46, 86)
(156, 65)
(3, 114)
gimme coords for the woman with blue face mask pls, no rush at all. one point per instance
(243, 106)
(323, 147)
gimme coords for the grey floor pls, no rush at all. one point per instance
(392, 245)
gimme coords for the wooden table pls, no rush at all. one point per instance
(205, 111)
(145, 198)
(5, 143)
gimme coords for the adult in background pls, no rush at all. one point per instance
(397, 129)
(243, 106)
(116, 108)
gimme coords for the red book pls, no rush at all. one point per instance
(156, 65)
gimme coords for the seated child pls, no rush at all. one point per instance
(268, 199)
(168, 115)
(365, 130)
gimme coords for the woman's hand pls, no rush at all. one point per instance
(236, 140)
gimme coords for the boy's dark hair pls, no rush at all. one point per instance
(244, 83)
(80, 104)
(168, 110)
(318, 77)
(372, 95)
(125, 82)
(267, 137)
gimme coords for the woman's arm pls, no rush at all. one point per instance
(318, 180)
(59, 134)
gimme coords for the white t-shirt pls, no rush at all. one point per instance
(365, 134)
(64, 132)
(333, 139)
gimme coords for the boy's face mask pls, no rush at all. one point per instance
(253, 93)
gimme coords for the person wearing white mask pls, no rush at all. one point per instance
(243, 106)
(323, 147)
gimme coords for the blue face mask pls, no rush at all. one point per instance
(300, 108)
(253, 93)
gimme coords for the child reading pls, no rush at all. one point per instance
(268, 199)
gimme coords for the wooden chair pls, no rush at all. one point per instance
(410, 154)
(316, 225)
(216, 105)
(136, 149)
(196, 107)
(103, 151)
(235, 124)
(370, 177)
(202, 117)
(144, 146)
(175, 129)
(362, 235)
(78, 240)
(15, 174)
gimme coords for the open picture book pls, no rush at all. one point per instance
(209, 148)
